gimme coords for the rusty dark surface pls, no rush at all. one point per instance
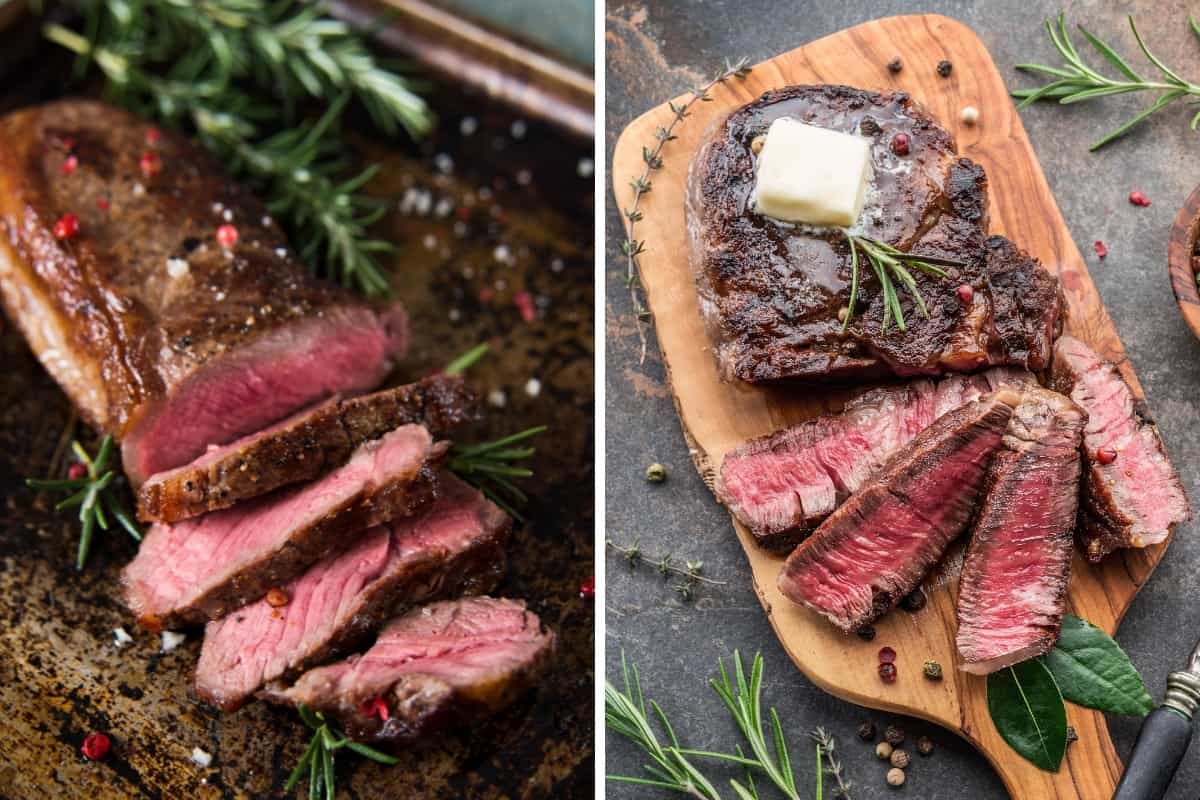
(479, 219)
(657, 49)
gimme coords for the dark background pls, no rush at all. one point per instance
(656, 50)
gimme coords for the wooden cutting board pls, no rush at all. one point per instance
(717, 416)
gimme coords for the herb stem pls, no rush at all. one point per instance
(652, 160)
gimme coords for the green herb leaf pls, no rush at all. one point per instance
(467, 360)
(1028, 711)
(1092, 670)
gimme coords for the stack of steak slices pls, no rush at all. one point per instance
(289, 511)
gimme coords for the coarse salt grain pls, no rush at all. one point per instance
(468, 126)
(533, 387)
(177, 267)
(443, 208)
(502, 254)
(138, 190)
(227, 215)
(281, 252)
(524, 177)
(444, 163)
(556, 265)
(430, 241)
(585, 168)
(518, 129)
(970, 115)
(497, 398)
(171, 640)
(201, 758)
(121, 637)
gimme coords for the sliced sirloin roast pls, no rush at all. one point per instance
(443, 664)
(456, 546)
(880, 543)
(771, 293)
(203, 568)
(1132, 495)
(160, 334)
(301, 448)
(1013, 583)
(781, 486)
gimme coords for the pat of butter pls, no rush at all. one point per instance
(810, 174)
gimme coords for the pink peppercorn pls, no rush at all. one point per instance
(95, 746)
(887, 655)
(900, 144)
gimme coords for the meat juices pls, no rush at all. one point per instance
(301, 448)
(1013, 584)
(1134, 497)
(169, 361)
(203, 568)
(772, 293)
(456, 546)
(446, 661)
(783, 485)
(879, 544)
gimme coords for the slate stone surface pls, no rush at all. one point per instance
(657, 49)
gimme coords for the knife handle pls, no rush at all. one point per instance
(1156, 755)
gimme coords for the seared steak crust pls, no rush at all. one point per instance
(444, 664)
(771, 292)
(454, 547)
(201, 569)
(1133, 497)
(302, 448)
(881, 542)
(1013, 584)
(149, 350)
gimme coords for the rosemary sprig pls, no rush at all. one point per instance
(467, 360)
(490, 467)
(94, 494)
(1076, 82)
(625, 713)
(318, 757)
(231, 72)
(743, 698)
(652, 160)
(891, 269)
(666, 566)
(827, 761)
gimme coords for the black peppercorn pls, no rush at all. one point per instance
(868, 126)
(913, 601)
(866, 731)
(944, 68)
(1072, 736)
(866, 633)
(933, 670)
(924, 745)
(894, 735)
(895, 65)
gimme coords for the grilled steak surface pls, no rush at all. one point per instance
(1135, 498)
(878, 545)
(160, 335)
(1013, 583)
(783, 485)
(301, 448)
(771, 292)
(203, 568)
(443, 664)
(455, 546)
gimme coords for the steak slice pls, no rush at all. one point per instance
(1135, 499)
(203, 568)
(160, 335)
(782, 486)
(771, 293)
(876, 548)
(1013, 584)
(301, 448)
(455, 546)
(439, 665)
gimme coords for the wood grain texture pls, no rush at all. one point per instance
(716, 416)
(1181, 261)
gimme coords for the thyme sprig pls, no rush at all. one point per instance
(232, 72)
(652, 160)
(318, 758)
(1077, 82)
(827, 761)
(95, 495)
(491, 467)
(468, 359)
(665, 565)
(891, 267)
